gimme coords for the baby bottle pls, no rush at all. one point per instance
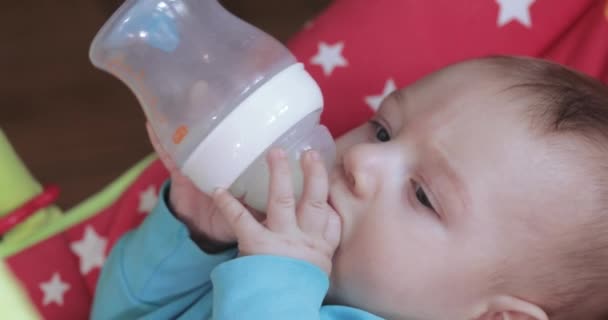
(217, 91)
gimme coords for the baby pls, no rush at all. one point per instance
(478, 192)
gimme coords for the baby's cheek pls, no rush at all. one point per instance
(365, 272)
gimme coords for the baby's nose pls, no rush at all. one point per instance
(362, 170)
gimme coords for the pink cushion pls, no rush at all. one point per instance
(401, 40)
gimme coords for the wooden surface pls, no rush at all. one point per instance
(72, 124)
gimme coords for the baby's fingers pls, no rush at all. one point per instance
(313, 211)
(281, 212)
(238, 217)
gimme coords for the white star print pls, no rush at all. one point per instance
(147, 200)
(329, 57)
(53, 290)
(90, 250)
(514, 10)
(375, 101)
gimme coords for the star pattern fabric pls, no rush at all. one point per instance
(351, 57)
(54, 290)
(90, 250)
(147, 200)
(77, 254)
(358, 52)
(375, 100)
(329, 57)
(514, 10)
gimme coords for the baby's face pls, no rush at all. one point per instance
(447, 189)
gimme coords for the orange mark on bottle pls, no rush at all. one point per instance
(606, 11)
(180, 133)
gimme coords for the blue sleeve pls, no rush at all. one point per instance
(156, 272)
(272, 287)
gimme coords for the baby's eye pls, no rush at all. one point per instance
(422, 197)
(380, 132)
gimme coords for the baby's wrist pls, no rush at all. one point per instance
(205, 242)
(209, 245)
(316, 259)
(171, 202)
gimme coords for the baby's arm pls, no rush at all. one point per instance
(284, 271)
(275, 288)
(156, 271)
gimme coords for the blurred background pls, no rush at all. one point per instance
(72, 124)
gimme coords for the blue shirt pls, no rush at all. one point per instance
(157, 272)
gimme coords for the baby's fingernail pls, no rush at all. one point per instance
(313, 155)
(218, 191)
(278, 152)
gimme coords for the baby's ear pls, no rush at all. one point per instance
(511, 308)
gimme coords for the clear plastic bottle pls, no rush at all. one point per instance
(217, 91)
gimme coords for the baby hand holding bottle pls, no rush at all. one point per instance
(208, 227)
(218, 94)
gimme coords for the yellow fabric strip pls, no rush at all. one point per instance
(14, 303)
(49, 222)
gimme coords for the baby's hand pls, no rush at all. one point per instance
(309, 230)
(196, 209)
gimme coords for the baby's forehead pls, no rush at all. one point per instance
(469, 92)
(472, 78)
(470, 69)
